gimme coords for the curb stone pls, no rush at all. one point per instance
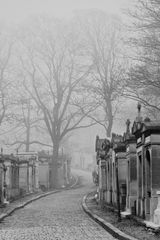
(21, 205)
(115, 232)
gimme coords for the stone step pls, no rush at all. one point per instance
(152, 225)
(125, 214)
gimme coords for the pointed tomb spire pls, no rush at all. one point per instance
(139, 118)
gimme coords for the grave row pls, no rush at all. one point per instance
(129, 170)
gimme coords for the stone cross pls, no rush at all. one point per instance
(128, 126)
(139, 111)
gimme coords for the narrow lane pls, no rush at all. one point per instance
(58, 216)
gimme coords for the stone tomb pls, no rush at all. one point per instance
(9, 183)
(28, 172)
(148, 167)
(119, 160)
(102, 149)
(23, 177)
(109, 171)
(130, 142)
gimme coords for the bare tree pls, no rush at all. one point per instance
(27, 125)
(143, 78)
(6, 46)
(53, 72)
(103, 40)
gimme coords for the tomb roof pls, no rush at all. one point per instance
(139, 128)
(119, 147)
(152, 125)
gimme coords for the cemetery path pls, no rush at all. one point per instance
(58, 216)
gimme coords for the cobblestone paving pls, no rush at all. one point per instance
(58, 216)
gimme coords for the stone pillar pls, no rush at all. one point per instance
(102, 179)
(156, 217)
(1, 182)
(23, 178)
(36, 175)
(30, 179)
(7, 180)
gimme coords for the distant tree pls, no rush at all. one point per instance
(6, 47)
(27, 125)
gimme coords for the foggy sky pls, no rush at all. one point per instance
(17, 10)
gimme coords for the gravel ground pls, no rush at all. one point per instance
(56, 217)
(14, 203)
(25, 198)
(128, 226)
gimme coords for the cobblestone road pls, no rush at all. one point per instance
(58, 216)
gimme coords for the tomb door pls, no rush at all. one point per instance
(110, 182)
(140, 184)
(128, 182)
(1, 184)
(113, 184)
(148, 182)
